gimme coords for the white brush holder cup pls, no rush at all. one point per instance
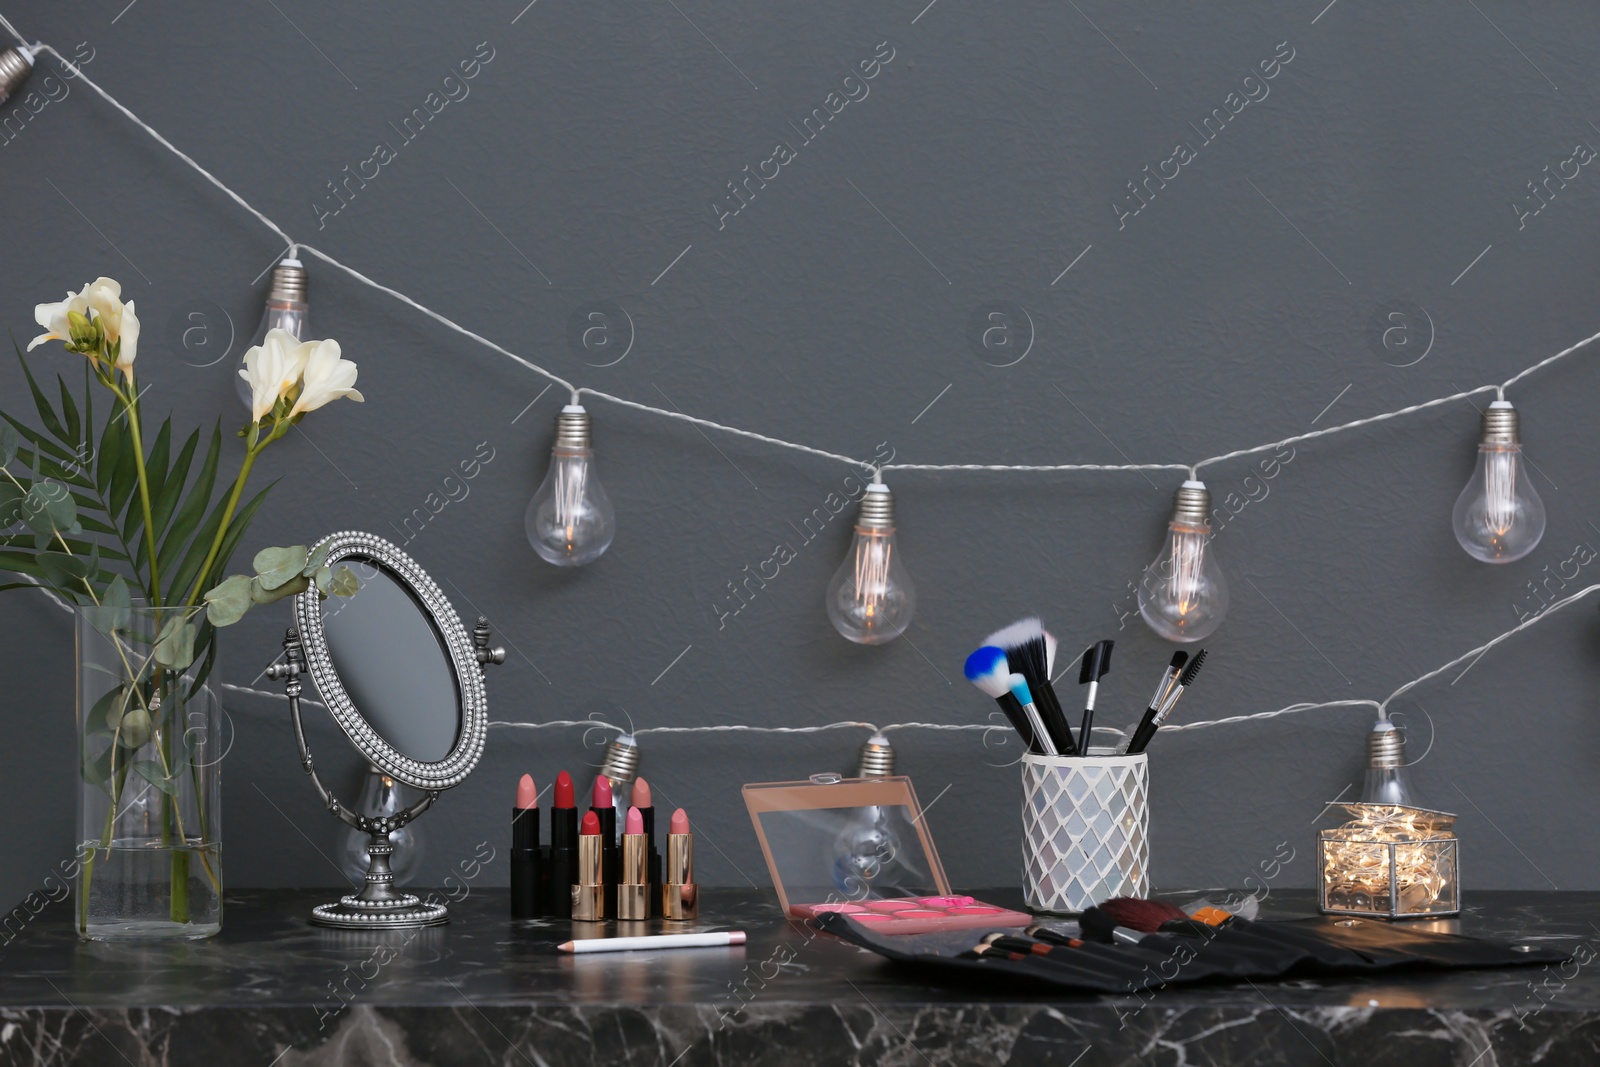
(1085, 830)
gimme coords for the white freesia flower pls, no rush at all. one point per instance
(326, 378)
(100, 300)
(273, 368)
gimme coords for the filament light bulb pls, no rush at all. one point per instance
(570, 520)
(871, 598)
(1499, 517)
(1183, 596)
(286, 310)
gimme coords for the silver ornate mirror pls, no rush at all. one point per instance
(404, 681)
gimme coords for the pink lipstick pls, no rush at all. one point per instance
(680, 897)
(633, 891)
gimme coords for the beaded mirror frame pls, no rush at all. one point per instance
(379, 905)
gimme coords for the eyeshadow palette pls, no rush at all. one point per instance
(918, 915)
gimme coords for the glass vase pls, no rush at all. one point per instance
(150, 746)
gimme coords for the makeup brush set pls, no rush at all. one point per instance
(1126, 946)
(1016, 666)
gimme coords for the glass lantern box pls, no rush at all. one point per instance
(1391, 862)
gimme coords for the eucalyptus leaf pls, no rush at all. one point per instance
(275, 566)
(62, 569)
(106, 713)
(175, 644)
(260, 595)
(150, 771)
(116, 608)
(227, 603)
(134, 730)
(97, 769)
(317, 560)
(344, 582)
(10, 500)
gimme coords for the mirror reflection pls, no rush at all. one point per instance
(393, 664)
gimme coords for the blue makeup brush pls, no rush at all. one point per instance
(1019, 689)
(987, 669)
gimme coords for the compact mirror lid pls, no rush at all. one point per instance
(395, 666)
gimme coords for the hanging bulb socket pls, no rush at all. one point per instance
(876, 759)
(877, 508)
(622, 759)
(1386, 747)
(1502, 424)
(288, 281)
(16, 64)
(1191, 505)
(1386, 782)
(573, 428)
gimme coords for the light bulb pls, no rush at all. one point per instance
(1386, 781)
(871, 598)
(15, 66)
(1498, 516)
(570, 520)
(1183, 595)
(286, 310)
(381, 795)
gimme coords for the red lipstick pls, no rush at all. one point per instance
(560, 870)
(603, 807)
(588, 896)
(525, 865)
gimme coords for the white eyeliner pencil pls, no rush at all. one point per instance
(653, 941)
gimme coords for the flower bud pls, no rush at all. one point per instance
(85, 334)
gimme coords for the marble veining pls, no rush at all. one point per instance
(273, 991)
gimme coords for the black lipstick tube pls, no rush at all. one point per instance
(525, 863)
(560, 873)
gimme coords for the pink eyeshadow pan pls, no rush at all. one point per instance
(848, 909)
(946, 902)
(869, 918)
(974, 909)
(919, 913)
(890, 905)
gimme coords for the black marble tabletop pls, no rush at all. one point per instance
(272, 991)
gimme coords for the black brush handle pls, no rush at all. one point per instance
(1142, 736)
(1055, 721)
(1019, 721)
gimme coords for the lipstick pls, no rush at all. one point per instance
(560, 872)
(643, 801)
(680, 897)
(525, 865)
(633, 891)
(588, 901)
(604, 808)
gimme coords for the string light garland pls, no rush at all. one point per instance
(1183, 596)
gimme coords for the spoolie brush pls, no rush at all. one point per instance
(1147, 730)
(1028, 651)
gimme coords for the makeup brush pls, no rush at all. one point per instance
(1096, 665)
(1028, 651)
(988, 669)
(1019, 689)
(1142, 738)
(1167, 678)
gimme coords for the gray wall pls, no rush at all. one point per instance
(989, 153)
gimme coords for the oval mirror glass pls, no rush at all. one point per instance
(393, 664)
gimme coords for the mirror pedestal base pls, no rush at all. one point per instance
(379, 906)
(403, 912)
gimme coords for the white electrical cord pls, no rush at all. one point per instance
(576, 392)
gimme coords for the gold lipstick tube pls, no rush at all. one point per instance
(680, 897)
(633, 892)
(589, 891)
